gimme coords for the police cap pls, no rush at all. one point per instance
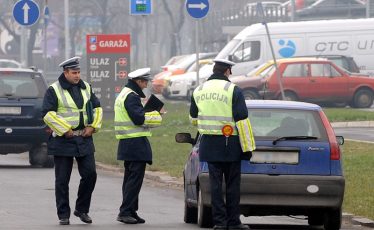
(224, 62)
(71, 63)
(144, 73)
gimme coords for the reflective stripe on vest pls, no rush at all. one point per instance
(123, 126)
(67, 108)
(214, 102)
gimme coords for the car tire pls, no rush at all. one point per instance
(204, 213)
(190, 214)
(315, 219)
(250, 95)
(290, 96)
(38, 156)
(333, 219)
(363, 98)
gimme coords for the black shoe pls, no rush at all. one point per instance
(219, 227)
(83, 216)
(138, 218)
(239, 227)
(127, 219)
(64, 221)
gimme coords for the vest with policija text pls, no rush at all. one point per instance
(123, 126)
(67, 108)
(214, 102)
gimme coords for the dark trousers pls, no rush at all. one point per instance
(87, 171)
(132, 183)
(229, 213)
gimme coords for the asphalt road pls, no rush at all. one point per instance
(360, 134)
(27, 202)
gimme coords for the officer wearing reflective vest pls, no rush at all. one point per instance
(132, 127)
(73, 113)
(219, 110)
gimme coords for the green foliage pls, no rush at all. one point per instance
(348, 114)
(358, 162)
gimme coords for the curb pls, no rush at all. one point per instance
(363, 221)
(353, 124)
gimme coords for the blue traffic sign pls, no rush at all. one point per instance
(140, 7)
(26, 12)
(197, 8)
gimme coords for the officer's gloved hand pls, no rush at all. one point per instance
(152, 119)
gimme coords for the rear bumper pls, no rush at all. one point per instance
(265, 194)
(21, 139)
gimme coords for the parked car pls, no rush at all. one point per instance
(180, 67)
(22, 128)
(330, 8)
(8, 63)
(181, 86)
(310, 79)
(296, 168)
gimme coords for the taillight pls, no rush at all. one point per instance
(334, 147)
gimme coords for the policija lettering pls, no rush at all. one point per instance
(212, 97)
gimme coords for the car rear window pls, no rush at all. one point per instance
(21, 84)
(270, 123)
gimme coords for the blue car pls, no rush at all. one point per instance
(22, 128)
(295, 170)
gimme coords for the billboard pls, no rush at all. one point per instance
(108, 63)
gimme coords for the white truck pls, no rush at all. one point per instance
(350, 37)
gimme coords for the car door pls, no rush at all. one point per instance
(327, 83)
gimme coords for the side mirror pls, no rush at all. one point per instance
(184, 138)
(340, 140)
(231, 57)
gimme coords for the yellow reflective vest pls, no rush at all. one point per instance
(68, 114)
(214, 102)
(123, 125)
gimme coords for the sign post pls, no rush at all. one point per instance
(197, 9)
(260, 12)
(108, 62)
(25, 13)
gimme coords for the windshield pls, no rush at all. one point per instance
(270, 123)
(227, 50)
(21, 84)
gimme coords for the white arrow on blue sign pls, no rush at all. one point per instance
(26, 12)
(197, 8)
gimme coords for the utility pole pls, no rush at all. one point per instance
(67, 34)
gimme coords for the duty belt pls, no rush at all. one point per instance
(78, 132)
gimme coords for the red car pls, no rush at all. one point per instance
(313, 80)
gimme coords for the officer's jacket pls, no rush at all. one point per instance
(138, 148)
(213, 148)
(77, 145)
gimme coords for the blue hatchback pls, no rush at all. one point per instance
(295, 170)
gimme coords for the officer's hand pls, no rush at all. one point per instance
(69, 134)
(87, 132)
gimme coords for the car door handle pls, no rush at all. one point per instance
(312, 80)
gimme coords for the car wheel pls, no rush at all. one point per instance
(250, 95)
(289, 96)
(190, 213)
(38, 156)
(315, 219)
(333, 219)
(363, 98)
(205, 213)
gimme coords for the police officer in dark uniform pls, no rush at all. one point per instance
(132, 125)
(73, 113)
(222, 152)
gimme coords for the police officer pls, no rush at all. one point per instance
(132, 125)
(216, 108)
(73, 113)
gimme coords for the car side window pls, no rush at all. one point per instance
(248, 51)
(296, 70)
(323, 70)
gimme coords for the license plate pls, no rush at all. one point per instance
(275, 157)
(10, 110)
